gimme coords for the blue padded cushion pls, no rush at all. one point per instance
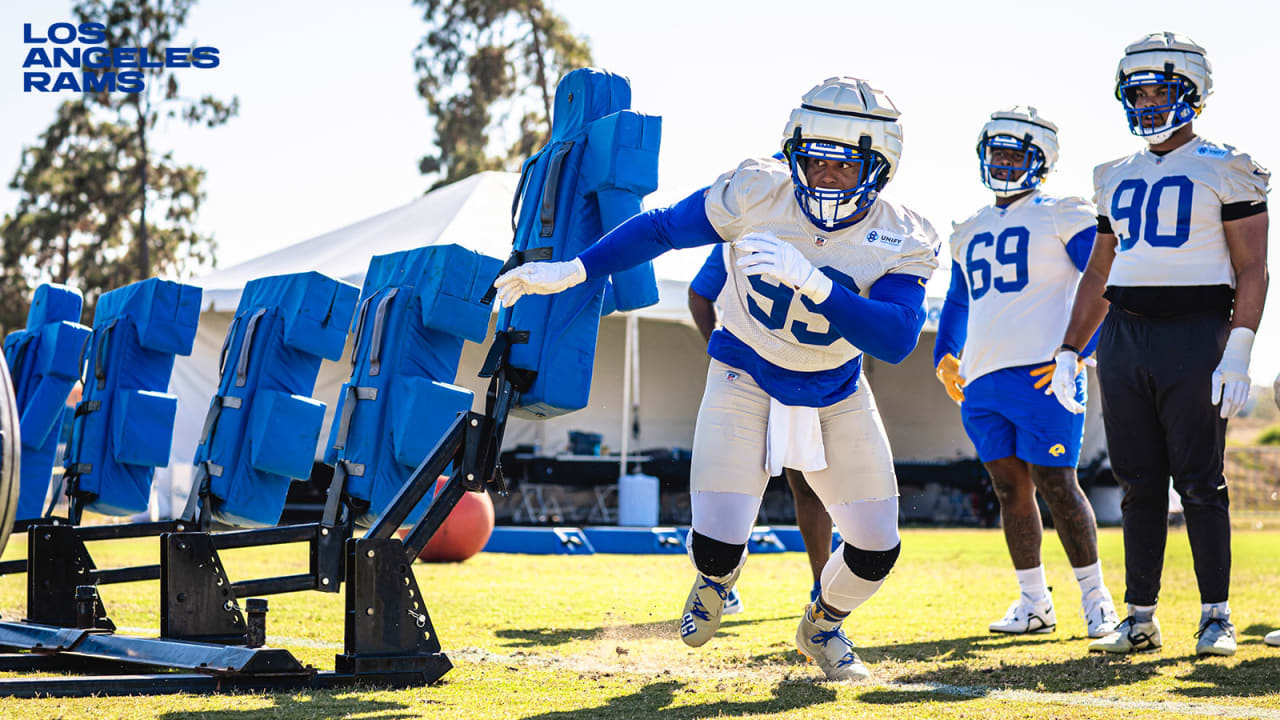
(137, 330)
(284, 431)
(44, 361)
(430, 298)
(317, 310)
(264, 433)
(421, 411)
(603, 159)
(142, 426)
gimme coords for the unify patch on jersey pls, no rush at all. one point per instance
(879, 237)
(1211, 151)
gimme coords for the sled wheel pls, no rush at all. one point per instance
(10, 455)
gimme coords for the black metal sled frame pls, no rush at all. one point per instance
(207, 644)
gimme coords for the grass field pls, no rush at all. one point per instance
(595, 637)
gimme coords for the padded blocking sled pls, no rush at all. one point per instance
(124, 423)
(44, 361)
(262, 428)
(416, 309)
(602, 159)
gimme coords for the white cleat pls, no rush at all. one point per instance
(1027, 616)
(1130, 636)
(703, 608)
(1100, 617)
(733, 603)
(1272, 638)
(821, 639)
(1216, 636)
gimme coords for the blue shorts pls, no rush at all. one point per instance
(1004, 415)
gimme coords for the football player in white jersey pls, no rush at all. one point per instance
(811, 515)
(1014, 271)
(784, 387)
(1179, 273)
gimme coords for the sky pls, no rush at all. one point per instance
(331, 129)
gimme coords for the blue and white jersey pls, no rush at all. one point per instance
(1020, 264)
(780, 326)
(1166, 212)
(711, 276)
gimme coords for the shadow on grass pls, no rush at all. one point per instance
(655, 700)
(318, 705)
(949, 649)
(661, 629)
(896, 697)
(1258, 630)
(1246, 679)
(1094, 672)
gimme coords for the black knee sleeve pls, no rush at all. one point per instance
(714, 558)
(871, 565)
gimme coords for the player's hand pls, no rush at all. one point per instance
(1231, 378)
(949, 375)
(1065, 369)
(1043, 375)
(538, 278)
(767, 255)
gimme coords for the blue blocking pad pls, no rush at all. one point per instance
(262, 427)
(416, 309)
(601, 161)
(124, 423)
(44, 360)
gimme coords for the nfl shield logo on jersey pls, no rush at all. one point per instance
(819, 240)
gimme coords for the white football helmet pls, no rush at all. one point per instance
(845, 119)
(1020, 128)
(1174, 62)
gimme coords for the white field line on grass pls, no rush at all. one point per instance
(480, 655)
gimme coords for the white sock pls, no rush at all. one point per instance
(1089, 577)
(1220, 609)
(1032, 583)
(1142, 613)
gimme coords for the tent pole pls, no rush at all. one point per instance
(627, 369)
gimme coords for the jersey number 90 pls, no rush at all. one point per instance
(1139, 205)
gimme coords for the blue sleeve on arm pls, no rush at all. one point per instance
(885, 325)
(711, 278)
(647, 235)
(1080, 245)
(953, 322)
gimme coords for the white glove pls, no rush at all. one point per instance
(538, 278)
(1231, 378)
(1064, 380)
(783, 262)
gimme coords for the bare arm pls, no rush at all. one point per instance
(1089, 308)
(1247, 243)
(704, 314)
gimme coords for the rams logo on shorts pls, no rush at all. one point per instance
(1057, 450)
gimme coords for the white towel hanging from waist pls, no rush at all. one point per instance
(794, 439)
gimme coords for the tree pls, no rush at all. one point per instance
(487, 69)
(99, 207)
